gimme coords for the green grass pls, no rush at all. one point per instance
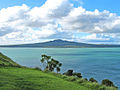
(6, 61)
(84, 82)
(30, 79)
(16, 77)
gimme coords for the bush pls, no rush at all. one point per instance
(92, 80)
(107, 82)
(68, 73)
(77, 75)
(86, 79)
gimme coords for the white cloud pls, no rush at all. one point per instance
(13, 13)
(11, 19)
(53, 19)
(24, 24)
(52, 9)
(27, 36)
(91, 21)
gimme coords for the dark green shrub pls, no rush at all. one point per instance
(2, 64)
(77, 75)
(86, 79)
(92, 80)
(107, 82)
(68, 73)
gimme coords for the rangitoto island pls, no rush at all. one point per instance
(16, 77)
(59, 43)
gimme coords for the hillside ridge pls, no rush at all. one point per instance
(6, 61)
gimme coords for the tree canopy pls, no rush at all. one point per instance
(50, 64)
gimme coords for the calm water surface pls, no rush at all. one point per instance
(100, 63)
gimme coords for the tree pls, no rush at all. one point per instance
(45, 59)
(69, 73)
(77, 75)
(92, 80)
(51, 63)
(107, 82)
(58, 69)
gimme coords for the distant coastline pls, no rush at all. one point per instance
(62, 44)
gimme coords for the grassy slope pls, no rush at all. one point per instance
(20, 78)
(28, 79)
(6, 61)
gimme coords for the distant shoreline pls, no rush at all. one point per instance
(58, 47)
(62, 44)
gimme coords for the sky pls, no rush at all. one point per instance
(33, 21)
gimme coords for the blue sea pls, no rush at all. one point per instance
(100, 63)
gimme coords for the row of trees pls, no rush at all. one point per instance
(106, 82)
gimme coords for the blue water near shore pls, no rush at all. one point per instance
(100, 63)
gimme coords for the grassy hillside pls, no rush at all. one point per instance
(28, 79)
(6, 61)
(14, 77)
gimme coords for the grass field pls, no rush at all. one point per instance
(28, 79)
(16, 77)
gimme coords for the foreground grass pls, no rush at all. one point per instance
(6, 61)
(28, 79)
(13, 78)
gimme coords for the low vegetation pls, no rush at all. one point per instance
(107, 83)
(92, 80)
(92, 83)
(16, 77)
(6, 61)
